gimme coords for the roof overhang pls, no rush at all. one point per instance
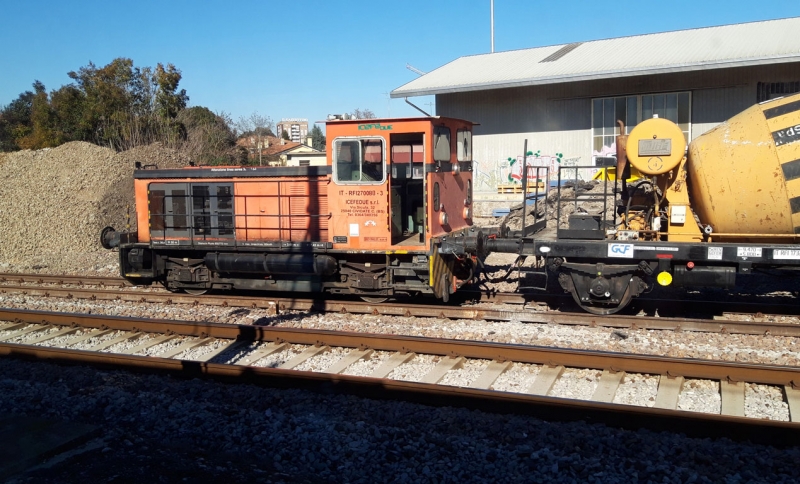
(402, 92)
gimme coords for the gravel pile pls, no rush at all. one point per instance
(58, 199)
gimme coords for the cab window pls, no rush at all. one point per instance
(464, 144)
(441, 143)
(359, 160)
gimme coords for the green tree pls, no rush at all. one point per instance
(210, 138)
(118, 105)
(169, 100)
(317, 138)
(69, 106)
(43, 122)
(128, 106)
(285, 135)
(15, 121)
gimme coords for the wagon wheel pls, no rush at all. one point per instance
(604, 310)
(195, 292)
(374, 299)
(445, 288)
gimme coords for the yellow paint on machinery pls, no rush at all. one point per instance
(741, 179)
(744, 175)
(610, 174)
(656, 146)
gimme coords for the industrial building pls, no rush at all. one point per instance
(565, 99)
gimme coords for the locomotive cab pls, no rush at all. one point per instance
(399, 188)
(399, 184)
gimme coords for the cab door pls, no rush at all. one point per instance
(408, 188)
(360, 200)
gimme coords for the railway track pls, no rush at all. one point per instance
(648, 305)
(498, 377)
(27, 284)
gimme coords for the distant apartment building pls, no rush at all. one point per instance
(296, 128)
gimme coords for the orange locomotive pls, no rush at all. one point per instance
(375, 221)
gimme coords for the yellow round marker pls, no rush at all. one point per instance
(664, 278)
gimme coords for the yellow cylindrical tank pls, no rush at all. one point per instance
(656, 146)
(744, 175)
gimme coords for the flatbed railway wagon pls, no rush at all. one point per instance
(370, 222)
(700, 215)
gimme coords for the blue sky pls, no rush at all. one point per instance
(306, 59)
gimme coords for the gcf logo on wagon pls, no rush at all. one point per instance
(620, 250)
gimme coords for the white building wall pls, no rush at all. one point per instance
(556, 119)
(712, 106)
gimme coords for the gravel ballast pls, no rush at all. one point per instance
(162, 429)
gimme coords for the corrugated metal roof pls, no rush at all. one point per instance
(767, 42)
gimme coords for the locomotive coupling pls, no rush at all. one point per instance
(467, 242)
(109, 238)
(507, 246)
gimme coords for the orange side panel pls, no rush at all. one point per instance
(289, 210)
(255, 209)
(266, 209)
(142, 210)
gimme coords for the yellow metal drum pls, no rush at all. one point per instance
(744, 175)
(656, 146)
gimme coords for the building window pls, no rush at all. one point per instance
(632, 110)
(766, 91)
(305, 162)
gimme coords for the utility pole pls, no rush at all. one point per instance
(491, 21)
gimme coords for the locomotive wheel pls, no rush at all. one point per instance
(374, 299)
(195, 292)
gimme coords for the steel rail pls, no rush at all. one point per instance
(697, 306)
(547, 407)
(277, 305)
(10, 277)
